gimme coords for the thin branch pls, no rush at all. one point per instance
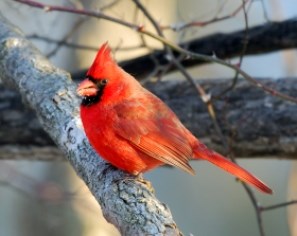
(256, 206)
(96, 14)
(183, 26)
(242, 53)
(62, 42)
(276, 206)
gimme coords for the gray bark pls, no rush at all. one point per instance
(126, 202)
(256, 123)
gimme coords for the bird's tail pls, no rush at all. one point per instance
(201, 151)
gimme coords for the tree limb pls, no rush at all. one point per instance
(257, 123)
(127, 203)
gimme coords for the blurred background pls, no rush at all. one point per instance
(47, 198)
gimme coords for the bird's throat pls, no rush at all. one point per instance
(91, 100)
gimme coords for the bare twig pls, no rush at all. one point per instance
(97, 14)
(276, 206)
(183, 26)
(62, 42)
(242, 53)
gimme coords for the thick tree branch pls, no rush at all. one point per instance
(270, 37)
(257, 123)
(128, 204)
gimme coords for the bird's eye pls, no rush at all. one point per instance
(104, 81)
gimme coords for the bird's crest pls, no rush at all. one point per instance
(102, 59)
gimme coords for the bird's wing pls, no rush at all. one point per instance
(151, 127)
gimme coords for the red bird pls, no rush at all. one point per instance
(134, 130)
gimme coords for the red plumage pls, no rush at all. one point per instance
(135, 131)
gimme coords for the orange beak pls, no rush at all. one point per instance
(87, 88)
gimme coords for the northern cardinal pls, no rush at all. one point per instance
(134, 130)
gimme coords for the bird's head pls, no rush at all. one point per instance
(105, 80)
